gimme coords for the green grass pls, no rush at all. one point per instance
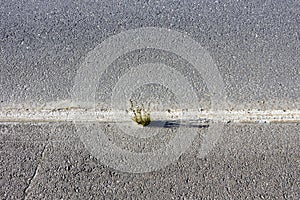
(141, 115)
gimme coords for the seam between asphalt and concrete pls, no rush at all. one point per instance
(20, 115)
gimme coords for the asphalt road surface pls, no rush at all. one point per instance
(250, 60)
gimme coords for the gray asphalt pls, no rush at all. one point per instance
(48, 161)
(255, 45)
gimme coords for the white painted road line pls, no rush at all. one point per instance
(90, 115)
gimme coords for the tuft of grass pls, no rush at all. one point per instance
(141, 115)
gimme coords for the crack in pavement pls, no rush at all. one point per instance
(42, 156)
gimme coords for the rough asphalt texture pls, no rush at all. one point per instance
(256, 46)
(249, 161)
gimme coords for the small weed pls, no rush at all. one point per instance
(141, 115)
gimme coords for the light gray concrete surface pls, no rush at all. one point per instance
(48, 161)
(255, 45)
